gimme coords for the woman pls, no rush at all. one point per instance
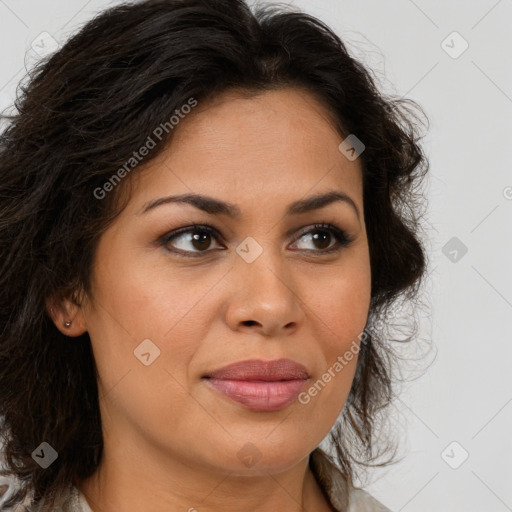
(204, 211)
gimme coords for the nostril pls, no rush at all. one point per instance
(249, 322)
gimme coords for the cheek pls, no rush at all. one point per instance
(138, 304)
(155, 323)
(150, 300)
(341, 306)
(339, 312)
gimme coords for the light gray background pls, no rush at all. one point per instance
(466, 394)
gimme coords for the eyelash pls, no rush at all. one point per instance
(343, 240)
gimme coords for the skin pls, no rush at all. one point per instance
(171, 442)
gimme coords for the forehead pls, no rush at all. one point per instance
(277, 145)
(250, 121)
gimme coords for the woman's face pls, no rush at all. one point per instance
(163, 314)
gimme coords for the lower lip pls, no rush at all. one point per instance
(260, 395)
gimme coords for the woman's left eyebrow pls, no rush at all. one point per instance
(217, 207)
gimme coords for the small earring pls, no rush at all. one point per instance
(68, 323)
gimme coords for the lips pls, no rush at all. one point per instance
(260, 385)
(256, 369)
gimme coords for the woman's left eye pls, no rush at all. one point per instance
(321, 234)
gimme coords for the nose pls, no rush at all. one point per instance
(264, 298)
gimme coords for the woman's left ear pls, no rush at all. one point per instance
(67, 315)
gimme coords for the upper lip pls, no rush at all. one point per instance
(257, 369)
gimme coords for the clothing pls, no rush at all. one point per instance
(339, 495)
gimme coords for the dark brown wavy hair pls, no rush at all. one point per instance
(80, 116)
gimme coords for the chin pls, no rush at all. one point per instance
(262, 456)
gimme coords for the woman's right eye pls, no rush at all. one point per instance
(198, 237)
